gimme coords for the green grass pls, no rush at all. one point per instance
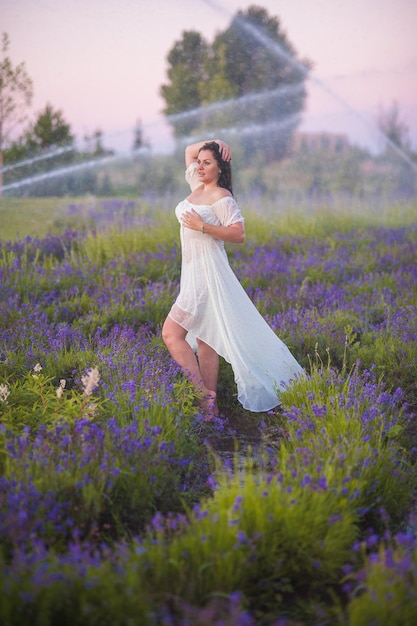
(35, 217)
(20, 217)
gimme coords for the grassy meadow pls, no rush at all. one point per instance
(120, 505)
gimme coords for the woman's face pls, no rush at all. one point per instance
(207, 167)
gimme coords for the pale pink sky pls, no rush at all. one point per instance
(102, 62)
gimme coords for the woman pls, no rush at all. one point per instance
(212, 306)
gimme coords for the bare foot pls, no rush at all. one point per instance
(208, 403)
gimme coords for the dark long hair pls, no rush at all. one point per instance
(225, 178)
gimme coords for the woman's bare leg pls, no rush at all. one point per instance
(208, 360)
(173, 336)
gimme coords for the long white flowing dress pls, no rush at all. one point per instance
(213, 306)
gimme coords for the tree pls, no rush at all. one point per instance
(217, 89)
(139, 140)
(397, 150)
(49, 130)
(94, 145)
(187, 60)
(16, 93)
(393, 127)
(254, 75)
(47, 146)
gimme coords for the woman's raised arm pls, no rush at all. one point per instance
(191, 151)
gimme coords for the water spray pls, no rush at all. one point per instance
(47, 155)
(251, 129)
(248, 99)
(248, 130)
(274, 47)
(58, 172)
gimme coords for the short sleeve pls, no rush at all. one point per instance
(191, 176)
(227, 211)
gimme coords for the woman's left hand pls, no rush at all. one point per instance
(225, 150)
(191, 219)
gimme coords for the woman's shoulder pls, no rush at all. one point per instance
(221, 193)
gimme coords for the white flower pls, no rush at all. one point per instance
(37, 369)
(60, 389)
(90, 380)
(4, 393)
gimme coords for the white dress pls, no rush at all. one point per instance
(213, 306)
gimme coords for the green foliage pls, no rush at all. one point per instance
(389, 357)
(94, 595)
(255, 535)
(106, 494)
(48, 132)
(386, 593)
(49, 129)
(361, 462)
(185, 71)
(32, 399)
(47, 146)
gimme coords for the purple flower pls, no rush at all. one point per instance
(322, 482)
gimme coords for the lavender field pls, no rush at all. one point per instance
(120, 505)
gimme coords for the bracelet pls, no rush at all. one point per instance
(202, 227)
